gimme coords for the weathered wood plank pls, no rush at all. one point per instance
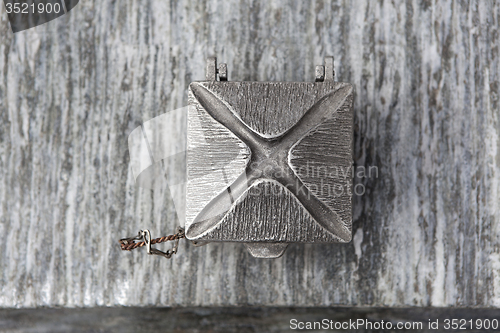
(242, 319)
(426, 230)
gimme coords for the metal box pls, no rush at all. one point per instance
(269, 163)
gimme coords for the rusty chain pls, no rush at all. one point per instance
(144, 238)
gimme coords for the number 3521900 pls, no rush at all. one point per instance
(40, 8)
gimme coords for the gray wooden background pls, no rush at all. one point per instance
(426, 230)
(234, 319)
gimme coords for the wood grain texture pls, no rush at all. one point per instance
(426, 73)
(226, 319)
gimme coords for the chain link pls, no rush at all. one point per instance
(144, 238)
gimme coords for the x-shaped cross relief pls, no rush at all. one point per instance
(269, 160)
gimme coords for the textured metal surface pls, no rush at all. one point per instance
(425, 231)
(297, 135)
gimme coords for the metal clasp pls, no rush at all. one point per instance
(144, 238)
(147, 239)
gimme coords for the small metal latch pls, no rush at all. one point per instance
(273, 161)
